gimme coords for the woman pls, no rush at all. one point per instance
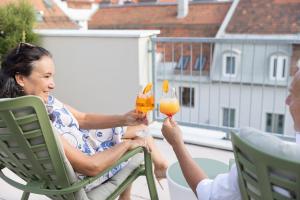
(29, 70)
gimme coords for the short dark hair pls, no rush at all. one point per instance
(18, 61)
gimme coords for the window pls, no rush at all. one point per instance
(187, 96)
(230, 63)
(200, 63)
(274, 123)
(278, 67)
(183, 62)
(228, 115)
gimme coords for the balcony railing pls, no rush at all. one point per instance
(225, 84)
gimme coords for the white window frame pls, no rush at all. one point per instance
(236, 55)
(221, 116)
(265, 120)
(180, 95)
(279, 68)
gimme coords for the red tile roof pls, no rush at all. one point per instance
(80, 4)
(266, 17)
(203, 19)
(286, 1)
(135, 1)
(54, 17)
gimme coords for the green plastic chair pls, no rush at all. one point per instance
(32, 150)
(268, 168)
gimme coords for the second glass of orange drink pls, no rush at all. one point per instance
(168, 104)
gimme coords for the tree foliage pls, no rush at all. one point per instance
(17, 20)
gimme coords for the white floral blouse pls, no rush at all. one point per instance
(87, 141)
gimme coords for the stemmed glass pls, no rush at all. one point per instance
(145, 103)
(169, 104)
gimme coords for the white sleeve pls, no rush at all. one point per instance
(224, 186)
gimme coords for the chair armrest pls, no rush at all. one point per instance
(125, 157)
(35, 187)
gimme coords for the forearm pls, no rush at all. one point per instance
(93, 165)
(96, 121)
(191, 171)
(108, 157)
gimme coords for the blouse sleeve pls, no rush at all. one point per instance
(224, 186)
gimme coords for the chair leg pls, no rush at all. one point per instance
(25, 196)
(149, 176)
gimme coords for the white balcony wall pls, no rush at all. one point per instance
(100, 70)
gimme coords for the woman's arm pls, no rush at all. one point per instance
(93, 165)
(96, 121)
(191, 171)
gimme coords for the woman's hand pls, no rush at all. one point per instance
(137, 142)
(135, 118)
(134, 131)
(171, 132)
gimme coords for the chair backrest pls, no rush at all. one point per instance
(268, 167)
(28, 145)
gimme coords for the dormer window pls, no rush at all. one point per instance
(200, 63)
(183, 62)
(230, 63)
(278, 67)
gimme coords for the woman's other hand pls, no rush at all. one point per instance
(135, 118)
(134, 131)
(171, 132)
(138, 142)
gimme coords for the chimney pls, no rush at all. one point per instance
(182, 8)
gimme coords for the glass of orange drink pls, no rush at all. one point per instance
(144, 103)
(168, 104)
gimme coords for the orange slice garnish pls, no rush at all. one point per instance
(165, 86)
(147, 88)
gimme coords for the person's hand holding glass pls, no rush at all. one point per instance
(168, 104)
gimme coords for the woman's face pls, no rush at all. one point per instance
(40, 82)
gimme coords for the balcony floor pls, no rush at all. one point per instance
(139, 191)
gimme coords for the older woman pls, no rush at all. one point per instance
(29, 70)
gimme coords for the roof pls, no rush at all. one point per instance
(265, 17)
(80, 4)
(53, 16)
(132, 1)
(203, 19)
